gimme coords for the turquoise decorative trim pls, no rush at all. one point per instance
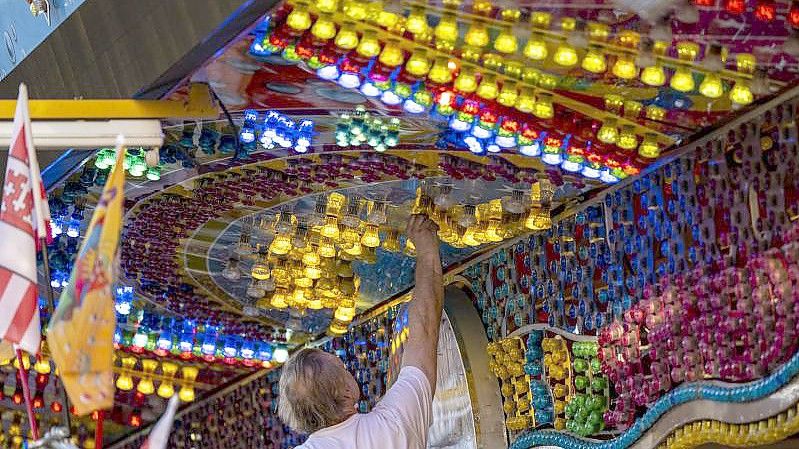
(707, 390)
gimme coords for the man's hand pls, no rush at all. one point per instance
(423, 232)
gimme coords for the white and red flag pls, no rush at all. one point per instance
(24, 221)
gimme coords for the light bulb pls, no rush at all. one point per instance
(506, 42)
(711, 86)
(565, 55)
(627, 139)
(355, 10)
(392, 55)
(330, 228)
(543, 106)
(347, 38)
(369, 47)
(526, 101)
(653, 75)
(416, 22)
(608, 133)
(625, 68)
(418, 64)
(124, 382)
(536, 47)
(371, 237)
(741, 93)
(166, 390)
(279, 300)
(466, 82)
(682, 80)
(299, 18)
(42, 366)
(145, 386)
(594, 60)
(186, 393)
(649, 147)
(281, 354)
(487, 89)
(508, 94)
(477, 35)
(281, 245)
(440, 72)
(327, 6)
(447, 28)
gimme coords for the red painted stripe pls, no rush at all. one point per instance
(23, 316)
(5, 277)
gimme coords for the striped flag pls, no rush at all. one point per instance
(159, 436)
(24, 219)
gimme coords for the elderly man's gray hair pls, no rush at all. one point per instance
(311, 392)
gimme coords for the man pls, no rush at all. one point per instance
(319, 396)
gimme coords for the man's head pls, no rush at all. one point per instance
(316, 391)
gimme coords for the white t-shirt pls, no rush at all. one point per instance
(399, 421)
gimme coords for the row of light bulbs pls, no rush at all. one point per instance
(576, 43)
(167, 378)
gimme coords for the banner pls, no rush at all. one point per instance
(81, 332)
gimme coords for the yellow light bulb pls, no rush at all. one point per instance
(328, 6)
(279, 300)
(124, 382)
(347, 38)
(469, 237)
(526, 101)
(540, 19)
(544, 108)
(280, 245)
(653, 75)
(687, 50)
(392, 55)
(315, 304)
(299, 18)
(506, 41)
(741, 93)
(418, 64)
(627, 139)
(330, 228)
(166, 390)
(440, 72)
(416, 22)
(536, 48)
(477, 35)
(711, 86)
(326, 249)
(466, 82)
(625, 68)
(369, 47)
(387, 19)
(355, 10)
(745, 62)
(608, 133)
(682, 80)
(311, 259)
(594, 60)
(649, 148)
(313, 272)
(324, 28)
(145, 386)
(189, 373)
(371, 237)
(654, 112)
(447, 28)
(345, 314)
(186, 393)
(42, 366)
(508, 94)
(565, 55)
(487, 90)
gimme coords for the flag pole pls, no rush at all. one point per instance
(51, 306)
(26, 392)
(98, 431)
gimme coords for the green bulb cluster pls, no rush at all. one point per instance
(361, 128)
(584, 412)
(134, 163)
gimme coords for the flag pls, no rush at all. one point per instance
(159, 436)
(24, 218)
(81, 331)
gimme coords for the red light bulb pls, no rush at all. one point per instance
(38, 401)
(705, 2)
(765, 10)
(735, 6)
(793, 14)
(135, 420)
(17, 398)
(56, 407)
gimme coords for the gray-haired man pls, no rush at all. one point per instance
(319, 396)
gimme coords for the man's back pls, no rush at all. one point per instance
(399, 421)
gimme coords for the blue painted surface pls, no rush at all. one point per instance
(21, 33)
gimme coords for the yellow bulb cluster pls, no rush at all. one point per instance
(557, 363)
(506, 361)
(148, 375)
(766, 431)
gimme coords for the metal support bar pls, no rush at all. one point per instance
(198, 105)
